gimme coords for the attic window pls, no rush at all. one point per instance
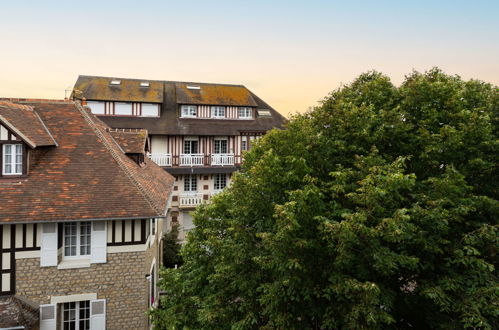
(144, 84)
(115, 82)
(193, 87)
(264, 113)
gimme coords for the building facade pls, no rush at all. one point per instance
(198, 132)
(81, 218)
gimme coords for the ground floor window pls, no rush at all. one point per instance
(76, 315)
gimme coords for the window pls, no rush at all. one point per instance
(152, 287)
(220, 181)
(220, 146)
(115, 82)
(218, 112)
(245, 113)
(264, 113)
(77, 239)
(150, 110)
(12, 159)
(244, 143)
(76, 315)
(189, 111)
(96, 107)
(190, 183)
(122, 109)
(190, 146)
(144, 84)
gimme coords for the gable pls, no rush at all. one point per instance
(7, 135)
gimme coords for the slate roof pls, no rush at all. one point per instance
(26, 123)
(129, 90)
(176, 93)
(132, 141)
(214, 94)
(87, 176)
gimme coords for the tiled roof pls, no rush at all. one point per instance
(129, 90)
(87, 176)
(15, 312)
(213, 94)
(132, 141)
(25, 123)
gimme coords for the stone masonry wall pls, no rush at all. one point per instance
(121, 281)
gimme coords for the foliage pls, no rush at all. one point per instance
(171, 248)
(377, 209)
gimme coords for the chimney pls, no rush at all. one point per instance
(83, 101)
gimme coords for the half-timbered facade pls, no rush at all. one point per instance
(81, 217)
(199, 135)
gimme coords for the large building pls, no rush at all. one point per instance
(81, 215)
(198, 132)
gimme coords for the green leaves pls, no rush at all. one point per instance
(377, 209)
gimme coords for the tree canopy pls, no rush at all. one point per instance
(376, 209)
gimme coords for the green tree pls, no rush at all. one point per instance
(376, 209)
(171, 248)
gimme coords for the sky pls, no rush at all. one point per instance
(290, 53)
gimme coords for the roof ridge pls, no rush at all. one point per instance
(115, 156)
(164, 81)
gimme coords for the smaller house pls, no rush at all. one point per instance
(82, 212)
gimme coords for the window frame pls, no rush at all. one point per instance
(217, 180)
(149, 105)
(121, 114)
(78, 244)
(247, 110)
(244, 143)
(220, 140)
(77, 312)
(13, 159)
(190, 142)
(189, 183)
(215, 108)
(191, 111)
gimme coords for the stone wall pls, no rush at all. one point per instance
(121, 281)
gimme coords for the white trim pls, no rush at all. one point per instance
(28, 254)
(74, 263)
(73, 298)
(13, 158)
(127, 248)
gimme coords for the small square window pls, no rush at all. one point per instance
(245, 113)
(189, 111)
(218, 112)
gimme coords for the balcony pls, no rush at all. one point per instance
(190, 200)
(222, 159)
(161, 159)
(191, 159)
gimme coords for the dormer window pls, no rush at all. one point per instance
(189, 111)
(12, 156)
(115, 82)
(217, 112)
(245, 113)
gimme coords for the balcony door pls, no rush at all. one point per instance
(191, 146)
(221, 146)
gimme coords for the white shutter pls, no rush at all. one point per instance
(99, 242)
(48, 249)
(98, 314)
(48, 317)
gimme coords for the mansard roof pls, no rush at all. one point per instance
(25, 123)
(86, 176)
(128, 90)
(131, 141)
(176, 93)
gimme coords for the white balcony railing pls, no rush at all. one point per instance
(222, 159)
(191, 159)
(190, 200)
(161, 159)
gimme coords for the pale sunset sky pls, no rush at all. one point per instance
(290, 53)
